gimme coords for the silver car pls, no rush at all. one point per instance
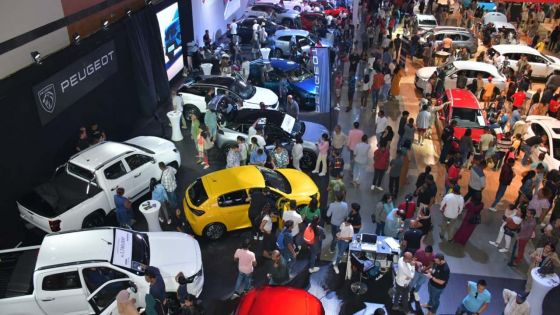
(461, 37)
(280, 15)
(305, 39)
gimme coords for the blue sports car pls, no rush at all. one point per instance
(173, 36)
(300, 81)
(487, 6)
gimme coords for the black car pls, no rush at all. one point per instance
(245, 28)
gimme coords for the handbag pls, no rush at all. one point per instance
(475, 219)
(509, 232)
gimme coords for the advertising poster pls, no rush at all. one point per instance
(122, 250)
(170, 30)
(321, 71)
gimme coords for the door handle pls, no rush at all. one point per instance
(47, 299)
(137, 175)
(114, 188)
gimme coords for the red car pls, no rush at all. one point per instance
(466, 110)
(328, 8)
(309, 17)
(285, 300)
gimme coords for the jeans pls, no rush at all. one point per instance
(401, 297)
(385, 92)
(172, 197)
(378, 177)
(444, 152)
(447, 227)
(394, 186)
(527, 154)
(463, 310)
(314, 250)
(358, 170)
(499, 194)
(417, 281)
(290, 260)
(502, 235)
(374, 98)
(334, 230)
(499, 157)
(341, 248)
(244, 282)
(379, 228)
(378, 137)
(435, 294)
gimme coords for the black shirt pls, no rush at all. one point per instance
(258, 200)
(355, 220)
(354, 60)
(534, 140)
(427, 193)
(412, 238)
(402, 123)
(440, 272)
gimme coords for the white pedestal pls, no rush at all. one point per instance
(150, 210)
(265, 52)
(206, 68)
(175, 119)
(540, 287)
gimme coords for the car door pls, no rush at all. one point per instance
(103, 301)
(194, 95)
(233, 208)
(117, 174)
(283, 42)
(539, 65)
(60, 291)
(143, 168)
(273, 80)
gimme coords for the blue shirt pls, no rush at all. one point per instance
(474, 300)
(258, 158)
(392, 224)
(159, 193)
(124, 215)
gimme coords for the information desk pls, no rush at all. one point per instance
(384, 250)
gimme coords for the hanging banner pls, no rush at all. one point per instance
(65, 87)
(322, 72)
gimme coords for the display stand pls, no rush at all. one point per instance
(206, 68)
(265, 52)
(540, 287)
(175, 119)
(150, 210)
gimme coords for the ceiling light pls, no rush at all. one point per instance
(105, 25)
(76, 38)
(129, 12)
(36, 57)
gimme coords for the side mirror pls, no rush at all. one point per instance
(153, 161)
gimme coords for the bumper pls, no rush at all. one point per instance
(196, 225)
(34, 219)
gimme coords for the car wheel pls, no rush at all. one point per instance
(297, 8)
(278, 53)
(214, 231)
(307, 162)
(190, 109)
(174, 164)
(95, 219)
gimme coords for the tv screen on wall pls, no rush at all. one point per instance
(170, 30)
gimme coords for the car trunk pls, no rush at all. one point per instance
(58, 195)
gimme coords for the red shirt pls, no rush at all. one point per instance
(381, 159)
(452, 174)
(553, 106)
(519, 98)
(409, 209)
(378, 80)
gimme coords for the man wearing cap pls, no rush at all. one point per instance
(516, 303)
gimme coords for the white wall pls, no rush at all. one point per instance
(210, 16)
(20, 16)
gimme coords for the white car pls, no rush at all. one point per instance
(296, 5)
(493, 17)
(306, 40)
(81, 272)
(81, 192)
(543, 65)
(551, 127)
(194, 93)
(279, 14)
(425, 22)
(452, 70)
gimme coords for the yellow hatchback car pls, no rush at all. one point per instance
(218, 202)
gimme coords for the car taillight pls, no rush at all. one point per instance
(55, 225)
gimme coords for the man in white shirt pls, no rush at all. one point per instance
(451, 207)
(233, 31)
(380, 125)
(405, 273)
(516, 303)
(343, 239)
(295, 217)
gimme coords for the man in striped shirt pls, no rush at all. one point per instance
(502, 146)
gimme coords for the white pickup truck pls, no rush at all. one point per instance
(81, 272)
(81, 193)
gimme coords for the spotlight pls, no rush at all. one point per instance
(129, 12)
(36, 56)
(148, 2)
(76, 38)
(105, 25)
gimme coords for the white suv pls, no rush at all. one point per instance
(543, 66)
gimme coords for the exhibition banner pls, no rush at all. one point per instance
(64, 88)
(321, 70)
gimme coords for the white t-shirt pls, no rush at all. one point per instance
(268, 225)
(297, 151)
(405, 273)
(361, 153)
(381, 124)
(295, 217)
(233, 28)
(453, 205)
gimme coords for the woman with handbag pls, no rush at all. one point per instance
(508, 230)
(541, 257)
(470, 221)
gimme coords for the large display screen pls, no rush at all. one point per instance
(170, 30)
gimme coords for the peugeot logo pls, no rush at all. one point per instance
(47, 98)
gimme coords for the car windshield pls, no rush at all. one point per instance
(448, 68)
(547, 58)
(299, 74)
(80, 172)
(556, 149)
(197, 193)
(131, 250)
(468, 118)
(275, 180)
(427, 22)
(243, 89)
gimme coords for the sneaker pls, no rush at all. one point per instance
(322, 174)
(314, 269)
(493, 243)
(492, 209)
(261, 238)
(315, 172)
(372, 187)
(503, 250)
(234, 296)
(335, 267)
(206, 166)
(254, 237)
(379, 188)
(416, 296)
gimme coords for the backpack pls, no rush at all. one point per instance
(309, 235)
(280, 243)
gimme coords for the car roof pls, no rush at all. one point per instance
(425, 17)
(291, 32)
(550, 123)
(522, 49)
(251, 114)
(100, 154)
(474, 65)
(75, 246)
(279, 63)
(462, 98)
(507, 25)
(450, 28)
(233, 179)
(215, 80)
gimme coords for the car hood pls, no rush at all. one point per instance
(302, 185)
(426, 72)
(152, 143)
(313, 131)
(263, 95)
(307, 85)
(174, 252)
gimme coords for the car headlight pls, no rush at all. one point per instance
(193, 277)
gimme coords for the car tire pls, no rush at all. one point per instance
(174, 164)
(297, 8)
(94, 219)
(307, 162)
(278, 53)
(214, 231)
(190, 109)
